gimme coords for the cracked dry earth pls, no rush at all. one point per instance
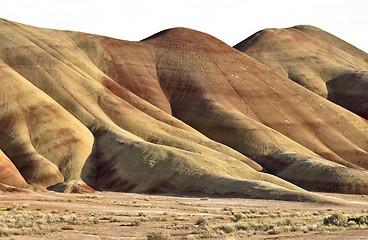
(107, 215)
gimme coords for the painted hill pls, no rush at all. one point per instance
(317, 60)
(179, 112)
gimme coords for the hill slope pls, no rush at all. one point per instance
(179, 112)
(317, 60)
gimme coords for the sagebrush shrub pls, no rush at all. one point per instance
(158, 236)
(336, 219)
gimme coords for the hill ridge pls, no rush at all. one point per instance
(177, 113)
(317, 60)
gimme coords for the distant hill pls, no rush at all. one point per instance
(179, 112)
(317, 60)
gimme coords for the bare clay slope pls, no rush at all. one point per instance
(180, 112)
(9, 174)
(233, 99)
(55, 96)
(317, 60)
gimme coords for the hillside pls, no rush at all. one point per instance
(317, 60)
(179, 112)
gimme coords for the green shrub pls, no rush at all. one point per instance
(201, 221)
(275, 230)
(362, 220)
(237, 217)
(227, 228)
(159, 236)
(136, 223)
(336, 219)
(242, 226)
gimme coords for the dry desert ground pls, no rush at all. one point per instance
(110, 215)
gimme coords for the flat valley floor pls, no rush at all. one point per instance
(107, 215)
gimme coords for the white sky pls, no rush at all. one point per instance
(229, 20)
